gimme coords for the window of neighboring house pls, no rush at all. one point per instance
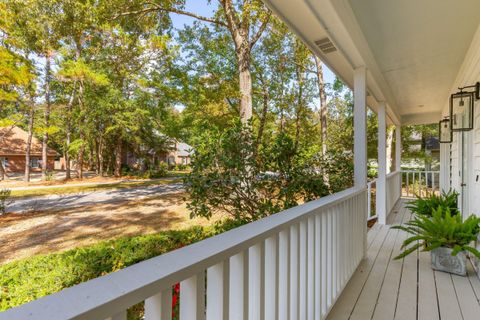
(35, 163)
(4, 161)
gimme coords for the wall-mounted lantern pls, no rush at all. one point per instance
(461, 111)
(445, 131)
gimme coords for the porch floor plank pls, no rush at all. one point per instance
(387, 298)
(387, 289)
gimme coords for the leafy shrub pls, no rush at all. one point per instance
(125, 169)
(49, 175)
(425, 206)
(31, 278)
(160, 172)
(181, 167)
(162, 169)
(5, 195)
(230, 174)
(442, 229)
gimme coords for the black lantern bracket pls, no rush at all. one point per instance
(475, 86)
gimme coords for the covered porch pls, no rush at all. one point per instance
(387, 289)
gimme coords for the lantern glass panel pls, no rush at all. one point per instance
(461, 107)
(445, 131)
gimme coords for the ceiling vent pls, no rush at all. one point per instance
(325, 45)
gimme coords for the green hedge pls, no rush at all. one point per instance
(31, 278)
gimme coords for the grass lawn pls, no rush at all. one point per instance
(47, 231)
(66, 189)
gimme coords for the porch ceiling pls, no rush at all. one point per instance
(413, 50)
(418, 46)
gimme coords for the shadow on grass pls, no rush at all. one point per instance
(87, 225)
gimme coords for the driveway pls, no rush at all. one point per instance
(59, 201)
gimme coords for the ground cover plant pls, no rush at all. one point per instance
(31, 278)
(5, 200)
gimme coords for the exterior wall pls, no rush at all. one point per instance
(475, 174)
(468, 75)
(17, 164)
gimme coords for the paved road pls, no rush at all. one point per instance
(55, 202)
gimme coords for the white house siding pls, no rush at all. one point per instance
(454, 163)
(468, 75)
(475, 176)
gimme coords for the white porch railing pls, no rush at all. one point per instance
(292, 265)
(393, 193)
(394, 189)
(420, 182)
(371, 190)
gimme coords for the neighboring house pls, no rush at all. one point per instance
(13, 148)
(179, 154)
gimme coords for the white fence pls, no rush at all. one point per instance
(292, 265)
(420, 182)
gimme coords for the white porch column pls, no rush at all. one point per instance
(360, 126)
(381, 193)
(360, 139)
(444, 167)
(398, 147)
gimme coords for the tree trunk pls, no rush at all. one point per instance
(323, 114)
(67, 155)
(31, 116)
(263, 118)
(81, 129)
(81, 153)
(245, 82)
(323, 104)
(46, 115)
(300, 102)
(389, 148)
(97, 156)
(118, 160)
(2, 171)
(101, 158)
(69, 132)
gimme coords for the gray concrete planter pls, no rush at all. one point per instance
(442, 260)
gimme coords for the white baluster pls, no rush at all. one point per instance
(283, 278)
(255, 282)
(217, 291)
(192, 297)
(237, 303)
(159, 306)
(294, 272)
(122, 315)
(310, 267)
(318, 267)
(271, 285)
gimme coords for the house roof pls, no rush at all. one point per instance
(13, 141)
(184, 150)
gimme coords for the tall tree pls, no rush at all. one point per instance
(245, 20)
(36, 21)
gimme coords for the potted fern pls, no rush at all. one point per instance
(446, 236)
(425, 206)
